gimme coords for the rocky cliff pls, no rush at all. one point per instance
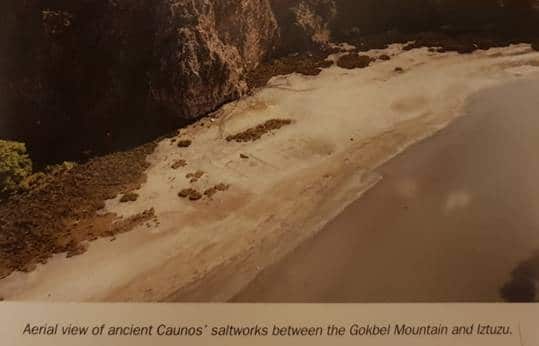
(203, 49)
(91, 76)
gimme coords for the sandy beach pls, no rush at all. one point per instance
(286, 186)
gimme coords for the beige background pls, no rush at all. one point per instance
(14, 316)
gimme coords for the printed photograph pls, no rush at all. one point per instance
(269, 151)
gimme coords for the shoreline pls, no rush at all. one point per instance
(451, 236)
(279, 196)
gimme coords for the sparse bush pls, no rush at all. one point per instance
(60, 168)
(15, 166)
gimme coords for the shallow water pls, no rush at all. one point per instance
(454, 220)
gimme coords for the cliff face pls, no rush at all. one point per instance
(96, 75)
(203, 49)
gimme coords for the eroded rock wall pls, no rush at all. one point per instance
(204, 48)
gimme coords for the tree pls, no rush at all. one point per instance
(15, 166)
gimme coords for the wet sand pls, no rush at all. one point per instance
(454, 216)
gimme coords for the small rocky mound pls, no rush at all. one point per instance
(257, 132)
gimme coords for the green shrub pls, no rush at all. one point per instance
(15, 166)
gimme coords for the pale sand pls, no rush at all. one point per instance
(346, 124)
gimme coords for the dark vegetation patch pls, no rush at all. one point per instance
(217, 188)
(184, 143)
(309, 64)
(60, 213)
(353, 61)
(257, 132)
(129, 197)
(191, 194)
(195, 176)
(178, 164)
